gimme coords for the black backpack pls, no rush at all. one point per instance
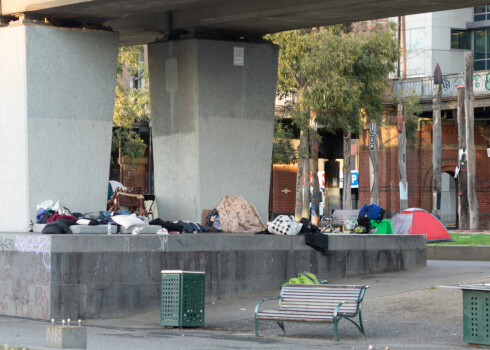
(365, 222)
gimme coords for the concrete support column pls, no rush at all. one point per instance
(213, 119)
(56, 107)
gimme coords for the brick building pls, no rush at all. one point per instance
(419, 169)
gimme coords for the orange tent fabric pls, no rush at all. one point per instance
(416, 221)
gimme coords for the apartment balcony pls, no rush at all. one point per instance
(424, 88)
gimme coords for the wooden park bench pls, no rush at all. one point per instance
(323, 303)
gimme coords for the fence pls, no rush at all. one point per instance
(424, 86)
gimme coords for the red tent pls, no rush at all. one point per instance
(416, 221)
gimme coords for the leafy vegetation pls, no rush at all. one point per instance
(131, 104)
(283, 151)
(334, 78)
(129, 142)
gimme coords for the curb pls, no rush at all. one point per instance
(469, 231)
(458, 252)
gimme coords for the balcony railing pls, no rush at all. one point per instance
(424, 87)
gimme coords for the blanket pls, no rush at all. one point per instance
(238, 215)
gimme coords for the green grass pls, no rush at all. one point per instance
(467, 239)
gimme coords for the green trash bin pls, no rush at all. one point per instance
(476, 313)
(182, 302)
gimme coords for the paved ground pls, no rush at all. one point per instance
(404, 310)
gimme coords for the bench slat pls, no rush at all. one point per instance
(320, 311)
(320, 290)
(319, 297)
(294, 315)
(319, 302)
(315, 307)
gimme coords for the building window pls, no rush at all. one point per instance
(460, 39)
(482, 13)
(481, 52)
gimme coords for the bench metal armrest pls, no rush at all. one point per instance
(342, 303)
(358, 301)
(265, 299)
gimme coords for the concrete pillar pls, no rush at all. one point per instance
(213, 119)
(56, 107)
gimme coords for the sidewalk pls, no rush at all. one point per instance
(404, 310)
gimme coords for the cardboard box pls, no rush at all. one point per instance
(205, 212)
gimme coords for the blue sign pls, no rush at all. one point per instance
(354, 179)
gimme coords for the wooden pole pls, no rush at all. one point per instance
(469, 98)
(298, 210)
(398, 66)
(402, 158)
(347, 203)
(462, 174)
(373, 163)
(307, 189)
(316, 196)
(436, 143)
(404, 48)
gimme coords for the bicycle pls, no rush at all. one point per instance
(327, 223)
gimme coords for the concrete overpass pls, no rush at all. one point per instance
(213, 86)
(142, 21)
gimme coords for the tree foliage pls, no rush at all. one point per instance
(334, 77)
(339, 75)
(130, 104)
(283, 151)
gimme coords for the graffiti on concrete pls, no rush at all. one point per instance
(424, 86)
(481, 82)
(35, 244)
(53, 335)
(163, 241)
(6, 244)
(446, 84)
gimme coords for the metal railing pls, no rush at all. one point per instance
(424, 86)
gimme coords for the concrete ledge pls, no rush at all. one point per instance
(458, 252)
(110, 276)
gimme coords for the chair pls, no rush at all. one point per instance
(151, 199)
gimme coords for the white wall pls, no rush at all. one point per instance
(13, 130)
(429, 42)
(64, 120)
(212, 124)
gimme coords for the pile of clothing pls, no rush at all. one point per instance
(180, 226)
(58, 219)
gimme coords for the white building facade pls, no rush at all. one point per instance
(443, 37)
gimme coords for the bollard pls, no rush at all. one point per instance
(66, 336)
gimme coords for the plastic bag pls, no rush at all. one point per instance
(284, 225)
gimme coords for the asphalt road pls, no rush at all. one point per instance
(402, 310)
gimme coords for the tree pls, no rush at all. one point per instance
(283, 151)
(131, 104)
(407, 122)
(337, 75)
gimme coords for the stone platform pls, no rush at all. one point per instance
(109, 276)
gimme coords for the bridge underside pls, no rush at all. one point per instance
(144, 21)
(212, 96)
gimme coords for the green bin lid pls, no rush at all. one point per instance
(168, 272)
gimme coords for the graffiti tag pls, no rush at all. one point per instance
(35, 244)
